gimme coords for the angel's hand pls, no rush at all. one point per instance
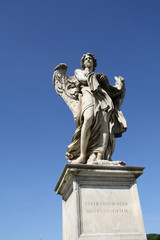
(119, 82)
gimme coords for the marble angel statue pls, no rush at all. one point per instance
(95, 105)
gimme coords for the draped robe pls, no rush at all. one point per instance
(108, 120)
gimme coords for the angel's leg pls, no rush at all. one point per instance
(105, 135)
(85, 134)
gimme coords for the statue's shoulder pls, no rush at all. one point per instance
(78, 71)
(79, 74)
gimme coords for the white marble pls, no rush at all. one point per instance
(101, 203)
(96, 107)
(110, 209)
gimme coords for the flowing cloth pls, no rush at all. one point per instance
(108, 121)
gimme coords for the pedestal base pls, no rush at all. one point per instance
(101, 203)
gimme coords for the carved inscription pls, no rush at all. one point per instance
(106, 207)
(108, 210)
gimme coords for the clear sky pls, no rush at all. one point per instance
(36, 125)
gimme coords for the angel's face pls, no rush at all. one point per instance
(88, 61)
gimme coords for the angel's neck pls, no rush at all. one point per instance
(88, 70)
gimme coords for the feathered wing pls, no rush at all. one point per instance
(67, 87)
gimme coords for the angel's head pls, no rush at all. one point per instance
(88, 59)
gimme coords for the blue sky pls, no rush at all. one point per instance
(36, 125)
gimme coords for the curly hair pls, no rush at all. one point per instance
(94, 60)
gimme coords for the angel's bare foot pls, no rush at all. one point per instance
(80, 159)
(99, 156)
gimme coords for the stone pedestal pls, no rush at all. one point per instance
(101, 203)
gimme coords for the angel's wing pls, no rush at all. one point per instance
(67, 87)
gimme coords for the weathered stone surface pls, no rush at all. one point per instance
(95, 105)
(101, 203)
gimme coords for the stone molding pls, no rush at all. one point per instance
(100, 202)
